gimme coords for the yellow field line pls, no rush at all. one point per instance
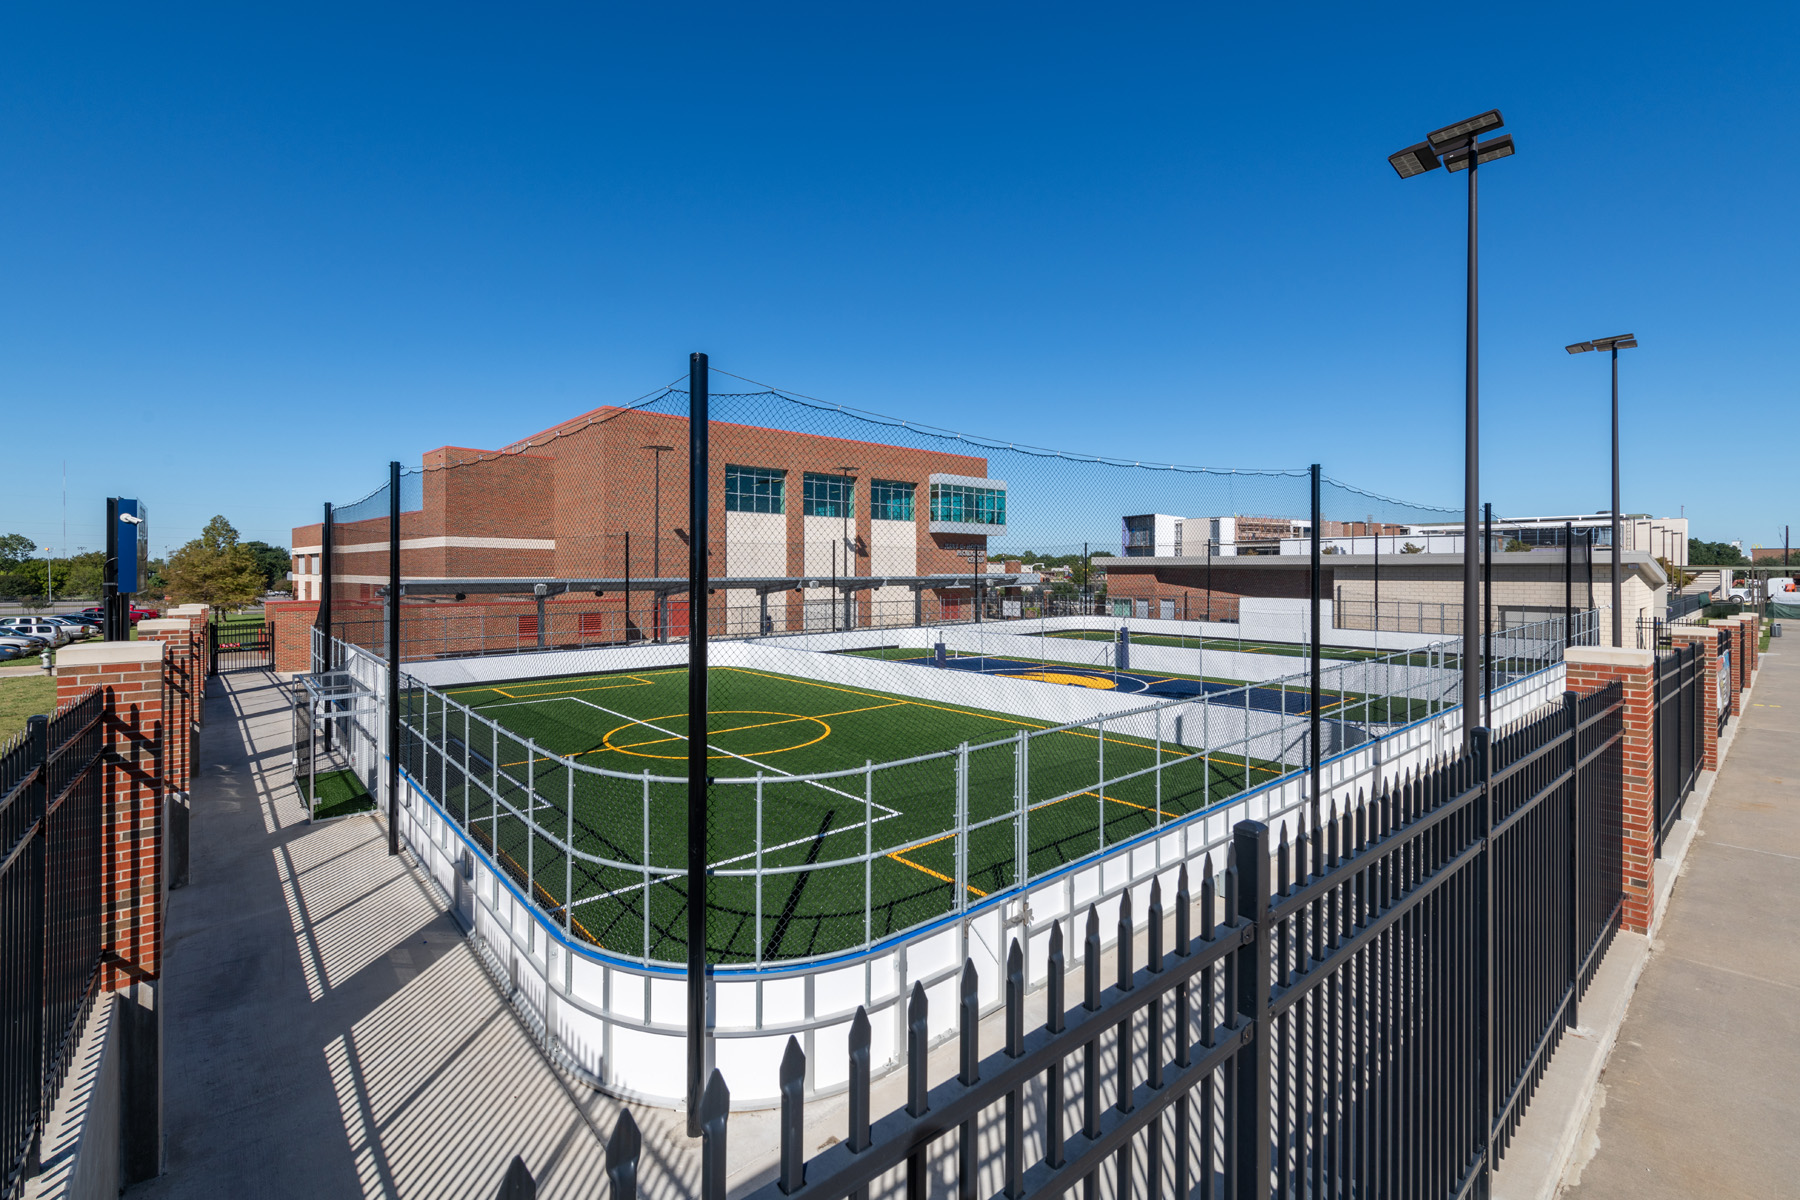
(552, 899)
(897, 857)
(711, 733)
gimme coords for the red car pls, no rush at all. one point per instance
(137, 614)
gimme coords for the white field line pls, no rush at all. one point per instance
(886, 812)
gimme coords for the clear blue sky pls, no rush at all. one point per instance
(249, 254)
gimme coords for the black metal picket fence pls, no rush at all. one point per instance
(50, 913)
(1680, 709)
(1363, 1008)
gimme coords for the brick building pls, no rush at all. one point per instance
(604, 496)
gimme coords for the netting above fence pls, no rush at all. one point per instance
(820, 517)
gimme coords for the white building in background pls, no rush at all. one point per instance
(1665, 538)
(1151, 535)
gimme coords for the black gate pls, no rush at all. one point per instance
(241, 644)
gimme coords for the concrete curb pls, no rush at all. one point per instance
(1556, 1136)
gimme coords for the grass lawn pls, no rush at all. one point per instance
(781, 726)
(23, 696)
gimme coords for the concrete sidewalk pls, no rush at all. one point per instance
(329, 1030)
(1700, 1095)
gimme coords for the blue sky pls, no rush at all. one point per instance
(249, 254)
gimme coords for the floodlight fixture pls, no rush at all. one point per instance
(1481, 152)
(1414, 160)
(1462, 133)
(1579, 347)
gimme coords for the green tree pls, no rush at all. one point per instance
(215, 568)
(1409, 548)
(274, 562)
(1714, 554)
(1514, 546)
(15, 548)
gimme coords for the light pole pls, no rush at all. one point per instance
(1455, 147)
(655, 539)
(844, 500)
(1623, 341)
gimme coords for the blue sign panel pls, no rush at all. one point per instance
(134, 546)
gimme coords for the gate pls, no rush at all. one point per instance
(240, 644)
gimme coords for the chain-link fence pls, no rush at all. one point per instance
(941, 665)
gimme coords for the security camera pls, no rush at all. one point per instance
(131, 518)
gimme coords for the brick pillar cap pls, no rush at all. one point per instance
(106, 654)
(1699, 633)
(1608, 656)
(189, 609)
(163, 625)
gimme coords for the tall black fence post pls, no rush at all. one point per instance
(393, 659)
(1568, 584)
(1250, 847)
(323, 661)
(1318, 534)
(698, 1056)
(1572, 713)
(1487, 617)
(1480, 742)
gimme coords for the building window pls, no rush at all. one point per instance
(890, 500)
(968, 505)
(828, 495)
(755, 489)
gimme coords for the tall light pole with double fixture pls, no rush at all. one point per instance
(1458, 148)
(1624, 341)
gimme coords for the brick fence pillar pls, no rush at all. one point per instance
(1753, 638)
(1709, 685)
(135, 883)
(196, 616)
(1590, 669)
(182, 673)
(1739, 659)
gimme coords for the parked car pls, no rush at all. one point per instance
(92, 614)
(27, 643)
(10, 651)
(77, 629)
(142, 614)
(57, 634)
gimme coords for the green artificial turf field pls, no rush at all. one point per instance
(781, 726)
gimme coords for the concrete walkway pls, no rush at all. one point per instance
(1701, 1094)
(329, 1030)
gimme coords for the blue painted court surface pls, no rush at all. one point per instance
(1131, 682)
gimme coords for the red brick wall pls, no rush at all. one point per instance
(1635, 670)
(290, 624)
(1710, 683)
(133, 794)
(588, 487)
(185, 676)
